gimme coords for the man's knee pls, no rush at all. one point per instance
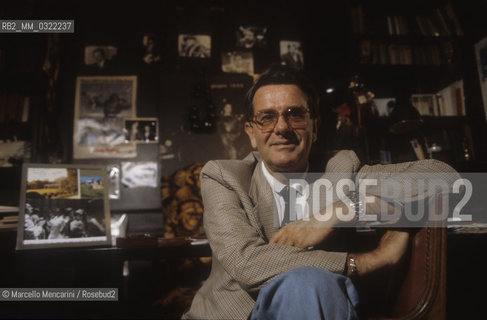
(311, 278)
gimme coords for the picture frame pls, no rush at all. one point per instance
(194, 46)
(291, 53)
(141, 130)
(101, 105)
(63, 206)
(237, 62)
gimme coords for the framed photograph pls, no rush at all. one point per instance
(292, 53)
(63, 206)
(249, 37)
(237, 62)
(101, 105)
(194, 46)
(151, 54)
(141, 130)
(100, 58)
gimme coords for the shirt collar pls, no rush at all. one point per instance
(275, 184)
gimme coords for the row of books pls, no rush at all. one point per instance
(449, 101)
(14, 107)
(442, 21)
(405, 54)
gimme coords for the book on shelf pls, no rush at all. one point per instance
(405, 54)
(14, 107)
(418, 150)
(452, 19)
(451, 99)
(426, 104)
(357, 19)
(439, 21)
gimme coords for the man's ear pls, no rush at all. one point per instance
(316, 125)
(249, 130)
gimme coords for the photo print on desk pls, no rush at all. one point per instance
(63, 206)
(101, 105)
(194, 46)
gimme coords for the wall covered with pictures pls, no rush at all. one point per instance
(184, 64)
(149, 87)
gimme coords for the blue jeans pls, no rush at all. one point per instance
(307, 293)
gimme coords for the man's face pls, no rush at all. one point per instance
(99, 57)
(284, 149)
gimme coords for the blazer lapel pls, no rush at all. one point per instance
(264, 203)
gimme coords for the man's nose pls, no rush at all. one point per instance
(282, 125)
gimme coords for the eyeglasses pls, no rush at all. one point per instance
(296, 117)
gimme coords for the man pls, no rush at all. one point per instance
(264, 267)
(99, 57)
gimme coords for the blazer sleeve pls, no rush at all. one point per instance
(407, 175)
(239, 245)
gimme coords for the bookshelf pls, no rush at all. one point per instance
(414, 52)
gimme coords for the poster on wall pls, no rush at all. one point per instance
(63, 206)
(481, 54)
(292, 54)
(101, 105)
(194, 46)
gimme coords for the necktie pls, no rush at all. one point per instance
(284, 193)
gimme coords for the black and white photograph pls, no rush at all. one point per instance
(249, 37)
(63, 206)
(292, 54)
(139, 130)
(101, 105)
(231, 115)
(237, 62)
(384, 106)
(194, 46)
(139, 174)
(151, 49)
(100, 58)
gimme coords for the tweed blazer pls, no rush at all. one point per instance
(240, 218)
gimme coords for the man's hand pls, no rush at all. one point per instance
(391, 249)
(302, 234)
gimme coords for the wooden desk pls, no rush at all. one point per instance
(100, 267)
